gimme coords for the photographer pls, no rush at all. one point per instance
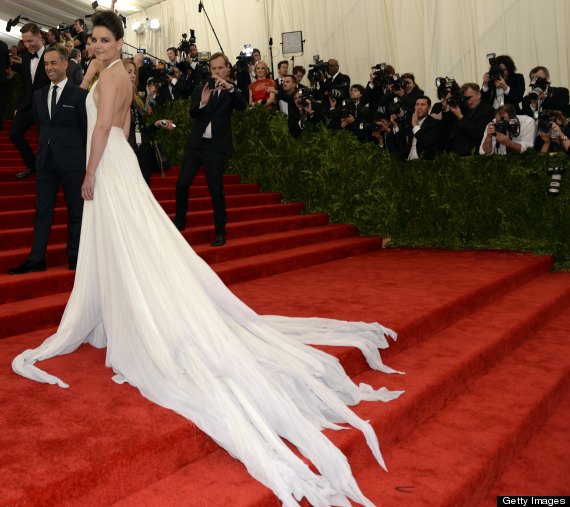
(542, 95)
(307, 111)
(502, 85)
(508, 133)
(406, 90)
(353, 116)
(553, 133)
(376, 88)
(173, 58)
(80, 38)
(53, 37)
(336, 85)
(177, 85)
(464, 124)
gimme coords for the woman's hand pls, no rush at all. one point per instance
(88, 187)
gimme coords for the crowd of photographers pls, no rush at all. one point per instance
(501, 115)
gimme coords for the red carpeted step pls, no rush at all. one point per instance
(455, 457)
(543, 467)
(22, 202)
(255, 205)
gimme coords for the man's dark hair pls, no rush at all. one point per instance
(358, 87)
(255, 50)
(299, 68)
(30, 27)
(538, 68)
(409, 75)
(424, 97)
(507, 61)
(173, 49)
(470, 86)
(74, 53)
(81, 22)
(286, 62)
(55, 33)
(215, 56)
(60, 49)
(110, 21)
(507, 108)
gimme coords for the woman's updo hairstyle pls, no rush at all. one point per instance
(110, 21)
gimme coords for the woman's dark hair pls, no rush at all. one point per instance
(507, 61)
(110, 21)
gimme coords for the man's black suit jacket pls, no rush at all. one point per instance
(558, 99)
(427, 138)
(465, 135)
(28, 87)
(74, 72)
(516, 92)
(218, 112)
(65, 131)
(340, 82)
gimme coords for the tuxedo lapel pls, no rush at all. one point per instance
(62, 98)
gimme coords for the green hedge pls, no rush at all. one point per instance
(452, 202)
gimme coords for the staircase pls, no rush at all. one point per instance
(483, 339)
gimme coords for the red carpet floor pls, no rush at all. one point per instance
(483, 337)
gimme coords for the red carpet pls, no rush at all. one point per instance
(483, 337)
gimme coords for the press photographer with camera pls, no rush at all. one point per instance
(508, 133)
(553, 133)
(286, 95)
(80, 37)
(406, 89)
(336, 85)
(543, 95)
(307, 111)
(376, 88)
(502, 84)
(464, 123)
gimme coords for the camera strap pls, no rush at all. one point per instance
(138, 134)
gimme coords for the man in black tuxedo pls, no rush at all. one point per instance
(336, 81)
(423, 133)
(4, 65)
(74, 69)
(209, 142)
(34, 77)
(506, 88)
(551, 98)
(59, 112)
(464, 124)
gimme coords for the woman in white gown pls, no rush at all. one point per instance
(173, 330)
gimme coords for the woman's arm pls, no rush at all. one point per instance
(105, 112)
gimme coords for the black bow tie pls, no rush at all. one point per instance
(34, 55)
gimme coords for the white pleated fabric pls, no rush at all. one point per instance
(176, 332)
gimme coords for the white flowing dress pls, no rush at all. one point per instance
(177, 333)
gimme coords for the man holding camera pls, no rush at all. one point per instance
(544, 96)
(209, 142)
(465, 123)
(286, 94)
(502, 84)
(306, 111)
(80, 37)
(336, 85)
(508, 133)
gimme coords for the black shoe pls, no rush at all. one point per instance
(25, 173)
(72, 264)
(28, 267)
(220, 240)
(179, 225)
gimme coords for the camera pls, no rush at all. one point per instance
(545, 120)
(347, 108)
(397, 82)
(396, 108)
(244, 59)
(537, 86)
(555, 174)
(511, 126)
(317, 69)
(184, 46)
(448, 86)
(305, 97)
(495, 70)
(381, 76)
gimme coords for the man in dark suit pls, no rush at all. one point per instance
(506, 88)
(551, 98)
(464, 124)
(336, 81)
(4, 65)
(59, 112)
(34, 77)
(209, 142)
(74, 69)
(424, 132)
